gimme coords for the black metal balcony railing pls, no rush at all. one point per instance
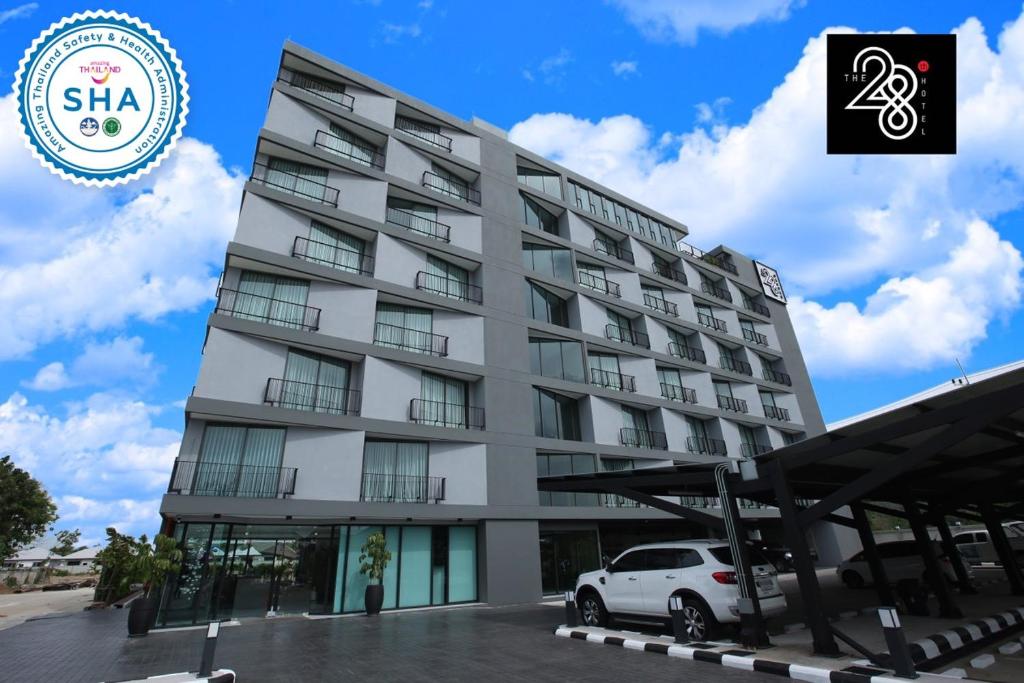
(627, 336)
(267, 310)
(700, 444)
(667, 271)
(777, 377)
(319, 398)
(775, 412)
(690, 250)
(425, 133)
(424, 226)
(610, 500)
(736, 365)
(449, 287)
(675, 392)
(196, 478)
(294, 183)
(715, 291)
(736, 405)
(712, 322)
(720, 262)
(660, 304)
(643, 438)
(754, 306)
(749, 450)
(401, 488)
(332, 255)
(451, 188)
(409, 339)
(688, 352)
(756, 337)
(615, 250)
(612, 380)
(353, 151)
(441, 414)
(600, 284)
(314, 86)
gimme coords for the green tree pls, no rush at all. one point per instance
(26, 511)
(375, 550)
(67, 542)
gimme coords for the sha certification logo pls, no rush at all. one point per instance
(102, 98)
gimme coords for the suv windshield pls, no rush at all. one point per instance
(723, 554)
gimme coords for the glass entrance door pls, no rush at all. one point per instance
(564, 555)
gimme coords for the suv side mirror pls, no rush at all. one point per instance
(607, 563)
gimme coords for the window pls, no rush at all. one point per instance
(428, 132)
(395, 472)
(604, 371)
(608, 245)
(348, 145)
(634, 418)
(447, 280)
(593, 277)
(548, 260)
(298, 179)
(314, 382)
(672, 558)
(620, 321)
(447, 183)
(239, 461)
(272, 299)
(790, 438)
(408, 328)
(545, 306)
(565, 463)
(333, 248)
(723, 389)
(421, 218)
(536, 216)
(559, 359)
(548, 183)
(555, 416)
(443, 401)
(630, 562)
(614, 212)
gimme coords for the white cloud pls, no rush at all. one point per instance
(124, 514)
(120, 360)
(98, 258)
(51, 377)
(625, 69)
(19, 12)
(682, 21)
(714, 112)
(553, 67)
(834, 223)
(393, 33)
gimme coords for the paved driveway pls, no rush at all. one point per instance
(17, 607)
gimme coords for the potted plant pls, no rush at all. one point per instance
(373, 558)
(151, 567)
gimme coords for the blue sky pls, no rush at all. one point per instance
(897, 267)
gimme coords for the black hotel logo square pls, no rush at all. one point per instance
(891, 94)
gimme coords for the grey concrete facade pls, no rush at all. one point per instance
(490, 473)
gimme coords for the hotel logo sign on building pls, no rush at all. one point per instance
(102, 98)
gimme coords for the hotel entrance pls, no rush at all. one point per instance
(564, 555)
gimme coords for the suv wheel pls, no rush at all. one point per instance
(699, 621)
(853, 579)
(592, 610)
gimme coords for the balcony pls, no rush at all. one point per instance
(439, 414)
(425, 133)
(267, 310)
(760, 309)
(715, 291)
(749, 450)
(712, 322)
(777, 377)
(610, 500)
(626, 335)
(700, 444)
(675, 392)
(775, 412)
(688, 352)
(333, 256)
(600, 284)
(736, 405)
(295, 184)
(330, 92)
(408, 339)
(449, 287)
(667, 271)
(720, 262)
(192, 478)
(756, 337)
(319, 398)
(361, 154)
(614, 250)
(612, 380)
(660, 304)
(451, 188)
(401, 488)
(416, 223)
(643, 438)
(736, 365)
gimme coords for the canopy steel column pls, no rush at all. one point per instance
(1003, 548)
(867, 542)
(807, 577)
(953, 553)
(933, 573)
(738, 533)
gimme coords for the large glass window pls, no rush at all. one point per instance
(546, 182)
(314, 382)
(239, 461)
(299, 179)
(612, 211)
(566, 463)
(604, 371)
(555, 416)
(536, 216)
(449, 184)
(546, 306)
(548, 260)
(270, 298)
(443, 401)
(349, 145)
(624, 325)
(446, 279)
(560, 359)
(396, 472)
(333, 248)
(405, 327)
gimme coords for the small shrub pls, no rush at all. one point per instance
(11, 582)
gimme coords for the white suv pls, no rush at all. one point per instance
(640, 581)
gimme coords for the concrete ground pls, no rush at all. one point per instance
(16, 608)
(1001, 662)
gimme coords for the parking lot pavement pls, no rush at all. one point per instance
(464, 644)
(18, 607)
(1002, 662)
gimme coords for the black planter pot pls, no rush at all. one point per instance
(141, 616)
(374, 599)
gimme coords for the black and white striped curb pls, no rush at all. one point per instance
(736, 659)
(935, 649)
